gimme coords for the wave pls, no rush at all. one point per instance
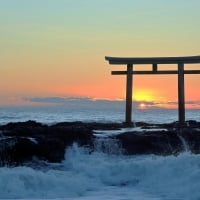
(85, 174)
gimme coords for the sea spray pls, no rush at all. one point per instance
(101, 166)
(6, 143)
(186, 147)
(108, 145)
(85, 172)
(167, 177)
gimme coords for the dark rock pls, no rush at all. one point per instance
(20, 142)
(157, 142)
(90, 125)
(23, 141)
(192, 138)
(27, 124)
(16, 150)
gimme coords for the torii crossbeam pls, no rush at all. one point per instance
(154, 61)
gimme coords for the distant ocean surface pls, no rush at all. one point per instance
(90, 111)
(101, 175)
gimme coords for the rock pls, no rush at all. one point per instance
(16, 150)
(31, 139)
(156, 142)
(192, 138)
(20, 125)
(21, 142)
(91, 125)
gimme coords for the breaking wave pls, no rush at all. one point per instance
(88, 175)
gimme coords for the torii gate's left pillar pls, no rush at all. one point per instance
(129, 88)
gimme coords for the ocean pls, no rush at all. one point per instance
(91, 111)
(109, 174)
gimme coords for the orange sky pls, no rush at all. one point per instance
(58, 48)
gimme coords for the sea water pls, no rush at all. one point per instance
(104, 173)
(90, 111)
(84, 175)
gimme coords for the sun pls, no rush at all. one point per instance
(142, 106)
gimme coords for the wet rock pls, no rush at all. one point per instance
(31, 139)
(192, 139)
(90, 125)
(156, 142)
(14, 150)
(20, 125)
(23, 141)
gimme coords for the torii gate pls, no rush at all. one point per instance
(154, 61)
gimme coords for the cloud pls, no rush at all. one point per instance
(78, 103)
(188, 104)
(197, 102)
(55, 100)
(105, 103)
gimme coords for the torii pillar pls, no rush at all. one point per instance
(181, 94)
(129, 89)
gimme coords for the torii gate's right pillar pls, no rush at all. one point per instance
(181, 94)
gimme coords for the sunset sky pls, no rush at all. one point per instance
(57, 48)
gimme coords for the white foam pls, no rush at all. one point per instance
(163, 177)
(33, 140)
(108, 133)
(85, 175)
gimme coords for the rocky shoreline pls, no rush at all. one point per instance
(23, 141)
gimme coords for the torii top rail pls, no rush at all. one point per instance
(154, 61)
